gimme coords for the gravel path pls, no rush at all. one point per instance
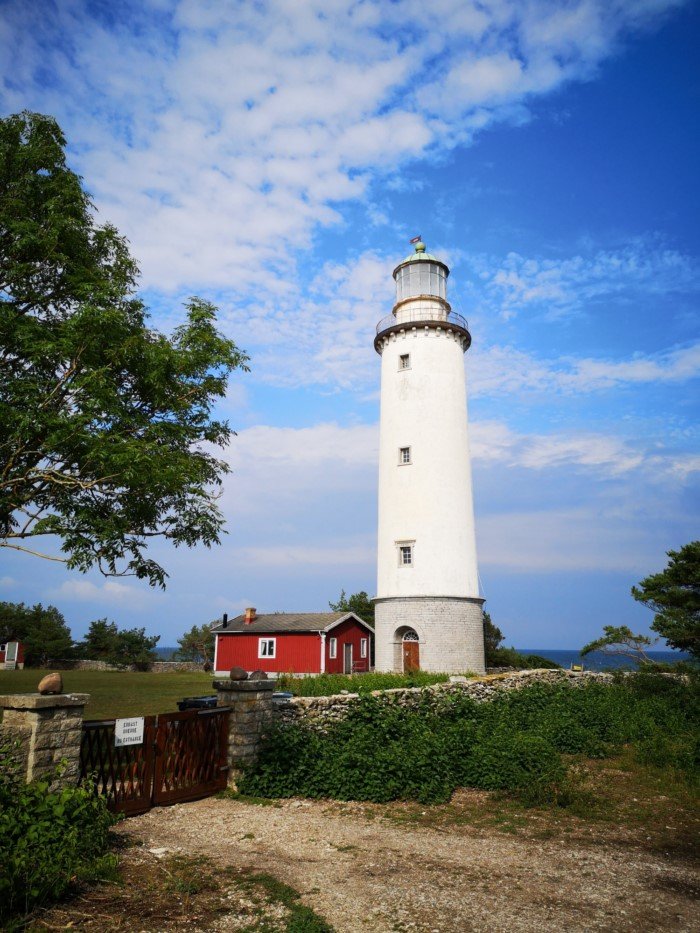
(363, 871)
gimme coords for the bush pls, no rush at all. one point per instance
(509, 657)
(515, 743)
(47, 840)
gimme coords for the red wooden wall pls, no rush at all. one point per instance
(347, 632)
(296, 652)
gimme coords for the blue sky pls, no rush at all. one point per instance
(276, 158)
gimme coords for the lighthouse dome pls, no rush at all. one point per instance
(421, 275)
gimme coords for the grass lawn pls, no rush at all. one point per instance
(117, 694)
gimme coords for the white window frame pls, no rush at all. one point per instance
(402, 461)
(400, 545)
(333, 648)
(363, 647)
(407, 358)
(267, 647)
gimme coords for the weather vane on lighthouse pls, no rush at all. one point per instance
(428, 609)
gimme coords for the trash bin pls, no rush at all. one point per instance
(197, 703)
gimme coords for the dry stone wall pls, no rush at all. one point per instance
(156, 667)
(320, 711)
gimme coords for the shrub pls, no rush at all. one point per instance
(382, 751)
(47, 839)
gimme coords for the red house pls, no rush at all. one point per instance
(11, 655)
(293, 642)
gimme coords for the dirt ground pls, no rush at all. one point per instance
(402, 868)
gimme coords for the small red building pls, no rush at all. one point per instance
(11, 655)
(293, 643)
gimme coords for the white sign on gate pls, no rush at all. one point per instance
(128, 731)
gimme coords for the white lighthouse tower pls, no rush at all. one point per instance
(428, 608)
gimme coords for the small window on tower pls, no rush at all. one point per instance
(405, 555)
(404, 455)
(405, 361)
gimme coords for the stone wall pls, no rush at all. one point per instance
(322, 710)
(156, 667)
(49, 729)
(251, 707)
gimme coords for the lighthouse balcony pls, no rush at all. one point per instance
(414, 319)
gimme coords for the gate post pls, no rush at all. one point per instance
(48, 730)
(251, 709)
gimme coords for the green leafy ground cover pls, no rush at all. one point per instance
(117, 693)
(48, 839)
(516, 743)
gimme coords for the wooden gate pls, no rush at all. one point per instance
(183, 757)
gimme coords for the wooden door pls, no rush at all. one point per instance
(347, 658)
(411, 656)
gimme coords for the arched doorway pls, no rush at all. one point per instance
(410, 651)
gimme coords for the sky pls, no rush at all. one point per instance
(276, 157)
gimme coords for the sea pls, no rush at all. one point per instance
(598, 661)
(595, 661)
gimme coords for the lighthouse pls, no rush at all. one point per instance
(428, 610)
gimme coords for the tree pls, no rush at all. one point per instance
(674, 595)
(43, 631)
(106, 642)
(359, 603)
(197, 644)
(100, 642)
(620, 641)
(493, 637)
(106, 426)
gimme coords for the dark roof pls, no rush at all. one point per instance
(288, 622)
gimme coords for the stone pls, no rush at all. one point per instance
(52, 683)
(237, 673)
(258, 675)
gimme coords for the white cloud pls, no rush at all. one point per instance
(219, 136)
(558, 287)
(7, 582)
(503, 370)
(578, 539)
(110, 593)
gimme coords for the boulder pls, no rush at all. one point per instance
(258, 675)
(52, 683)
(237, 673)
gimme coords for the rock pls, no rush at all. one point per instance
(52, 683)
(237, 673)
(258, 675)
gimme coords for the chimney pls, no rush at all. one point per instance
(250, 616)
(224, 621)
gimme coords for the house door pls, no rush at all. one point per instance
(411, 653)
(11, 652)
(347, 659)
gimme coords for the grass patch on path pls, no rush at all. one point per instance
(177, 892)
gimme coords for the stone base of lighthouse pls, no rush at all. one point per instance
(449, 632)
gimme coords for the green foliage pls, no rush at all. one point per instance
(43, 631)
(493, 637)
(359, 603)
(197, 644)
(48, 840)
(674, 595)
(620, 640)
(105, 642)
(382, 751)
(509, 657)
(330, 684)
(106, 427)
